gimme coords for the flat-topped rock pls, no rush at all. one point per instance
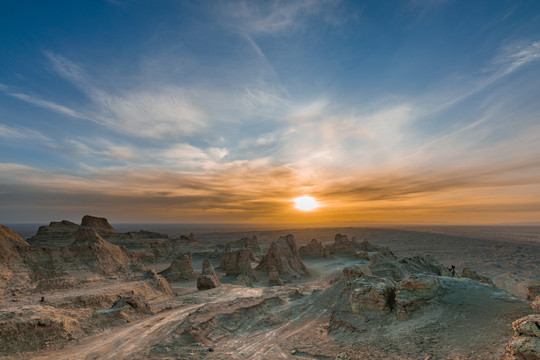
(97, 223)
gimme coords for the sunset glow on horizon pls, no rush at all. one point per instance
(219, 112)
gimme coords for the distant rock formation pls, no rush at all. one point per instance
(101, 256)
(314, 249)
(284, 257)
(250, 243)
(190, 239)
(55, 234)
(471, 274)
(208, 278)
(97, 223)
(180, 269)
(236, 262)
(365, 246)
(342, 245)
(525, 344)
(143, 234)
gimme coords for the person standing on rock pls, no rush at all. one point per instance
(452, 269)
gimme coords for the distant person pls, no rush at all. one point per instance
(452, 269)
(42, 299)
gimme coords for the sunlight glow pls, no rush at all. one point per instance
(306, 203)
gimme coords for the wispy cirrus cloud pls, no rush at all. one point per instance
(21, 133)
(274, 16)
(40, 102)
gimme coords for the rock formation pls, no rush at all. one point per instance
(386, 265)
(371, 294)
(236, 262)
(357, 270)
(313, 250)
(250, 243)
(273, 277)
(190, 239)
(342, 245)
(471, 274)
(284, 257)
(525, 344)
(12, 266)
(365, 246)
(413, 292)
(208, 278)
(180, 269)
(30, 327)
(533, 291)
(57, 233)
(97, 223)
(535, 304)
(101, 256)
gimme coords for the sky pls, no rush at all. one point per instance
(413, 111)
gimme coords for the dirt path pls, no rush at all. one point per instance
(123, 343)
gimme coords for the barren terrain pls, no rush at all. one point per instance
(327, 314)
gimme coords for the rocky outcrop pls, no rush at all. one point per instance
(135, 302)
(190, 239)
(12, 266)
(284, 257)
(236, 262)
(533, 291)
(31, 327)
(413, 292)
(57, 233)
(535, 304)
(273, 277)
(250, 243)
(208, 278)
(371, 294)
(357, 270)
(180, 269)
(385, 264)
(525, 344)
(97, 223)
(471, 274)
(314, 249)
(342, 245)
(97, 254)
(365, 246)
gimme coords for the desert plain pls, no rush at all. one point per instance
(90, 291)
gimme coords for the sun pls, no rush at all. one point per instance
(306, 203)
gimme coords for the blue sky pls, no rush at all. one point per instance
(224, 111)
